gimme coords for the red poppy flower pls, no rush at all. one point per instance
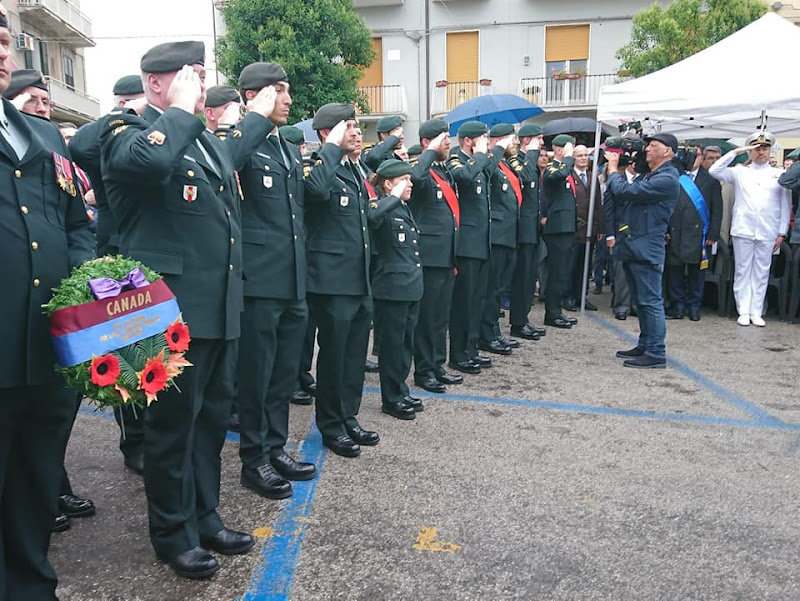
(178, 337)
(153, 378)
(104, 370)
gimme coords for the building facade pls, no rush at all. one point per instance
(50, 35)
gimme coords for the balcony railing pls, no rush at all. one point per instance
(383, 100)
(562, 91)
(60, 17)
(449, 94)
(73, 101)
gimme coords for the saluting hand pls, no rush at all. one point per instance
(398, 131)
(137, 105)
(19, 101)
(185, 90)
(743, 149)
(231, 115)
(505, 141)
(568, 149)
(437, 142)
(399, 188)
(482, 144)
(263, 103)
(336, 134)
(534, 144)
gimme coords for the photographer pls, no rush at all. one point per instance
(647, 203)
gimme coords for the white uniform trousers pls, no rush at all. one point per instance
(753, 260)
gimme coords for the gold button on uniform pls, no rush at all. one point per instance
(190, 173)
(232, 241)
(24, 209)
(230, 267)
(35, 245)
(418, 265)
(222, 188)
(18, 174)
(36, 283)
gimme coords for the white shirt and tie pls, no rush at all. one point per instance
(12, 135)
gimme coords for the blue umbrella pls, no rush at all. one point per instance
(491, 110)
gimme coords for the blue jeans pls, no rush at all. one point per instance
(644, 281)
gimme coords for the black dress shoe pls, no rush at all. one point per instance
(195, 563)
(228, 542)
(301, 397)
(572, 320)
(466, 367)
(400, 410)
(431, 385)
(359, 435)
(264, 481)
(342, 445)
(589, 306)
(414, 403)
(622, 316)
(291, 469)
(446, 378)
(507, 342)
(61, 523)
(233, 422)
(571, 306)
(482, 362)
(525, 332)
(673, 313)
(75, 507)
(371, 366)
(538, 330)
(558, 322)
(636, 351)
(646, 362)
(694, 315)
(135, 463)
(310, 388)
(598, 290)
(494, 347)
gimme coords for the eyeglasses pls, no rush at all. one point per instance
(35, 102)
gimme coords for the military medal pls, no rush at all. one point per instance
(64, 176)
(190, 193)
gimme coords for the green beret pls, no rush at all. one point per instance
(219, 95)
(562, 140)
(393, 168)
(24, 78)
(388, 123)
(3, 18)
(414, 150)
(293, 134)
(794, 155)
(257, 75)
(472, 129)
(128, 86)
(529, 129)
(169, 57)
(328, 115)
(430, 129)
(500, 130)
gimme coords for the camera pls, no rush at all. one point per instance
(630, 147)
(684, 159)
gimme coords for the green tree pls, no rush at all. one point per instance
(323, 45)
(661, 37)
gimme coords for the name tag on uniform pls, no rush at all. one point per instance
(439, 194)
(344, 201)
(478, 190)
(505, 187)
(401, 236)
(267, 181)
(190, 193)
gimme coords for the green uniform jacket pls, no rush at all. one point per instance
(505, 207)
(44, 233)
(338, 247)
(273, 230)
(472, 175)
(397, 272)
(380, 152)
(560, 210)
(531, 184)
(85, 150)
(438, 230)
(176, 215)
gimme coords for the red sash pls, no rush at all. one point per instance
(571, 181)
(370, 190)
(512, 177)
(449, 195)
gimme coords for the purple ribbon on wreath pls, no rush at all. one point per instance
(109, 287)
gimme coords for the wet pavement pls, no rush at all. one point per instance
(557, 474)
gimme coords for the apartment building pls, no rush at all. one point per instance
(50, 35)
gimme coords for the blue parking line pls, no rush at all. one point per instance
(272, 577)
(707, 383)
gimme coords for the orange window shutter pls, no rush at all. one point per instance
(373, 75)
(566, 42)
(462, 56)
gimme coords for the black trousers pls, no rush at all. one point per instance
(559, 247)
(130, 420)
(469, 293)
(269, 358)
(523, 283)
(307, 353)
(184, 432)
(66, 485)
(343, 335)
(395, 322)
(430, 337)
(34, 427)
(501, 268)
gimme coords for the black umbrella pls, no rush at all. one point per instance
(569, 125)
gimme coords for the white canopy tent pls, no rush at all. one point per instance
(730, 89)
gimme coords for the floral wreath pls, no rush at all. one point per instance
(118, 333)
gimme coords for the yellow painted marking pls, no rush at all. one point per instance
(266, 532)
(426, 541)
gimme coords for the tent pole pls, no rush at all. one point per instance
(589, 233)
